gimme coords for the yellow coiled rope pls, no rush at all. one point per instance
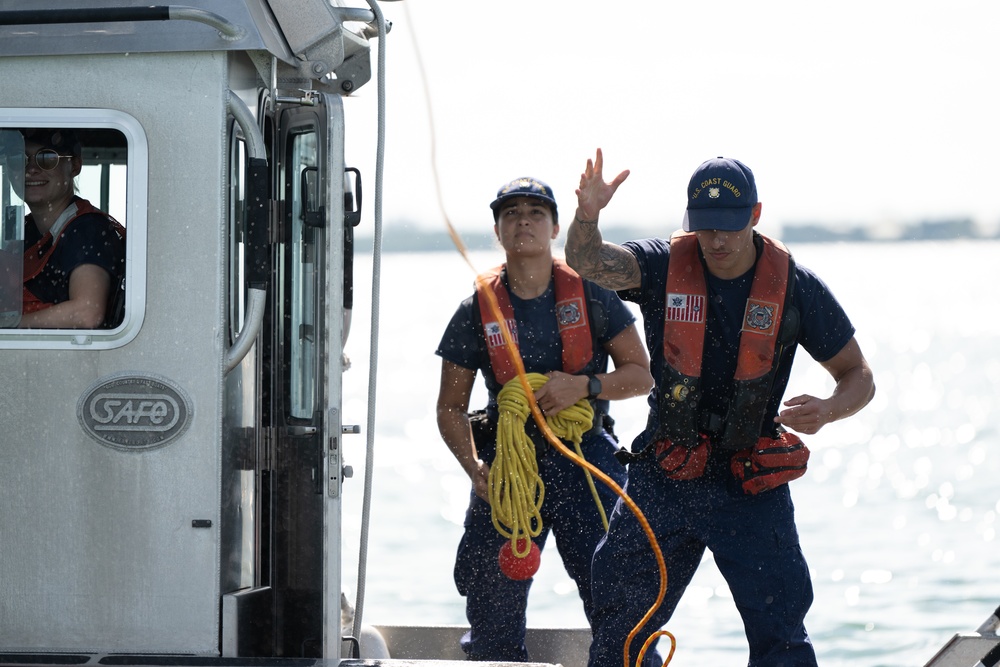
(516, 490)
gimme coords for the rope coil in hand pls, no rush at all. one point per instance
(516, 490)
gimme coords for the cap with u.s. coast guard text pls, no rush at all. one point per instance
(524, 187)
(721, 195)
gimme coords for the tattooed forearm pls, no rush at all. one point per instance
(616, 269)
(583, 243)
(607, 264)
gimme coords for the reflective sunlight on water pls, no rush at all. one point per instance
(897, 514)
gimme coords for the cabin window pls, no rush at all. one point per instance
(237, 233)
(73, 201)
(302, 304)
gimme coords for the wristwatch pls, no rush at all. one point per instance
(593, 386)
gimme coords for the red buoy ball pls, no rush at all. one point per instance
(516, 568)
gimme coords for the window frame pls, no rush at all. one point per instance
(236, 212)
(300, 300)
(136, 207)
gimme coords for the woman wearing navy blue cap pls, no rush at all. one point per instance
(565, 328)
(724, 308)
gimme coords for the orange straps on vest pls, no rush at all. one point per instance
(686, 312)
(571, 316)
(763, 314)
(684, 341)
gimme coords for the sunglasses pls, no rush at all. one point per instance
(46, 159)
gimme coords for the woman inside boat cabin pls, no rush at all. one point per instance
(74, 257)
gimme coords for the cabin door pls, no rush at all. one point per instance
(306, 510)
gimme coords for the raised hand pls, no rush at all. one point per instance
(594, 193)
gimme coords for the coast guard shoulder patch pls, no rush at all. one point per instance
(760, 317)
(570, 313)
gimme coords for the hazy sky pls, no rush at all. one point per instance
(851, 112)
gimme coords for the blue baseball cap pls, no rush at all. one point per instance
(525, 187)
(721, 195)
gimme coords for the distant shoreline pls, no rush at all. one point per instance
(410, 239)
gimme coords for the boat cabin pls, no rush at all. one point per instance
(171, 478)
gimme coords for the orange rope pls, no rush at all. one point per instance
(536, 412)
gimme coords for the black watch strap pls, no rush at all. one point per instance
(594, 387)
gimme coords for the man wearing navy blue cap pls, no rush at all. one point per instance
(567, 329)
(724, 309)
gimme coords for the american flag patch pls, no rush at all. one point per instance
(494, 336)
(685, 308)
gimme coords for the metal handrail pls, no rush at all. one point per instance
(228, 30)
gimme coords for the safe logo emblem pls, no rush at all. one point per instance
(134, 412)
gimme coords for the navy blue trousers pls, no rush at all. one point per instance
(752, 538)
(495, 605)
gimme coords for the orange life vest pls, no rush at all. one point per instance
(571, 317)
(38, 255)
(761, 339)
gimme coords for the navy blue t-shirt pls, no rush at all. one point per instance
(824, 327)
(89, 239)
(537, 333)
